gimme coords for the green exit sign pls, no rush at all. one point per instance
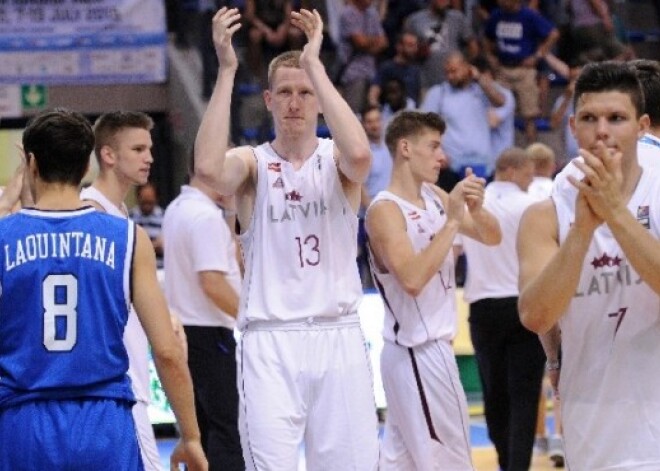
(34, 97)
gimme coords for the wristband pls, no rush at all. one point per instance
(552, 365)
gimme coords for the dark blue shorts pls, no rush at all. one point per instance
(91, 434)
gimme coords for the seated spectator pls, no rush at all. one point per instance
(269, 32)
(148, 214)
(361, 40)
(402, 66)
(393, 99)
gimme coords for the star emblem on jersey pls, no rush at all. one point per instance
(275, 166)
(606, 261)
(293, 195)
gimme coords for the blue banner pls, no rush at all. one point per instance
(57, 42)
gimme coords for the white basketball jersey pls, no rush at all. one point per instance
(135, 339)
(411, 321)
(300, 247)
(610, 386)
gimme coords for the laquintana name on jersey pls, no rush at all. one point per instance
(59, 245)
(311, 209)
(604, 282)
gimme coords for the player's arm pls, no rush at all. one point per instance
(393, 250)
(478, 223)
(218, 290)
(352, 146)
(551, 342)
(211, 165)
(12, 192)
(549, 274)
(154, 316)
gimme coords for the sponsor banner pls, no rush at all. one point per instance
(57, 42)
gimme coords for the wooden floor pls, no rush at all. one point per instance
(485, 459)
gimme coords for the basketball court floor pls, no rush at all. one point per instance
(483, 453)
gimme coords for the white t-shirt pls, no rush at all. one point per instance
(197, 239)
(540, 188)
(492, 271)
(431, 315)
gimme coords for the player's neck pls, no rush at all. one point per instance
(405, 186)
(295, 151)
(57, 197)
(112, 189)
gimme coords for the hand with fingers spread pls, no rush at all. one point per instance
(311, 23)
(225, 23)
(190, 453)
(473, 190)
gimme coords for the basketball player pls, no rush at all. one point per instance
(123, 151)
(303, 370)
(411, 228)
(590, 261)
(68, 276)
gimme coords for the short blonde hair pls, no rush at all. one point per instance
(543, 157)
(286, 59)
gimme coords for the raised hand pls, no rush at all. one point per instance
(311, 23)
(225, 24)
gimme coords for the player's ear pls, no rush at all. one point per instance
(107, 155)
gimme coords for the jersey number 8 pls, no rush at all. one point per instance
(53, 310)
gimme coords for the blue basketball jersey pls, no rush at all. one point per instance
(64, 303)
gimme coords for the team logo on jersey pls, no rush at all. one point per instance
(293, 195)
(440, 209)
(279, 183)
(414, 215)
(606, 261)
(275, 166)
(643, 216)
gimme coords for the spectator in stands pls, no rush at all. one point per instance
(517, 37)
(377, 180)
(463, 101)
(148, 214)
(394, 98)
(501, 119)
(396, 12)
(269, 33)
(402, 66)
(440, 30)
(361, 40)
(591, 27)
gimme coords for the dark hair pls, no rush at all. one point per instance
(109, 124)
(411, 123)
(61, 142)
(648, 73)
(610, 76)
(146, 186)
(369, 108)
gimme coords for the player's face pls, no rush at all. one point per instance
(132, 150)
(427, 158)
(292, 101)
(608, 117)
